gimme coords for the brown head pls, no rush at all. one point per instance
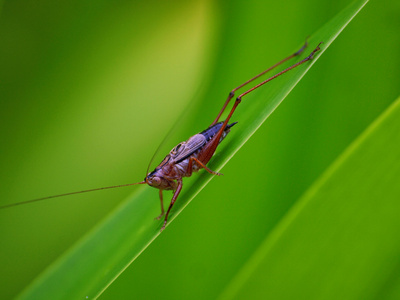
(156, 179)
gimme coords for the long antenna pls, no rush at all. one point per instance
(67, 194)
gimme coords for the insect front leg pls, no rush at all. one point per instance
(176, 194)
(162, 206)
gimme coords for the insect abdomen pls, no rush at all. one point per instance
(213, 130)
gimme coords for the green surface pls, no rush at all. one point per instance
(341, 239)
(90, 90)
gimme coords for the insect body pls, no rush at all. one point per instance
(197, 151)
(193, 154)
(184, 159)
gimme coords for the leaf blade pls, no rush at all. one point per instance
(340, 240)
(142, 230)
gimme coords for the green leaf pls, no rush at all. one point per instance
(340, 241)
(92, 265)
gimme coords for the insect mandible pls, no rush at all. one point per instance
(193, 154)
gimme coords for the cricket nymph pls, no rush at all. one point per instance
(183, 159)
(194, 154)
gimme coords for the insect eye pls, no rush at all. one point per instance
(176, 149)
(153, 181)
(157, 180)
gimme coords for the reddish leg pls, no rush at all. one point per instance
(162, 206)
(176, 194)
(232, 93)
(310, 57)
(217, 137)
(194, 159)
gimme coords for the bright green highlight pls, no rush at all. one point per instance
(88, 268)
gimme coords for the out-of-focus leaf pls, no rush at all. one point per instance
(104, 253)
(341, 239)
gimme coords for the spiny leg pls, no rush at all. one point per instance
(162, 206)
(176, 194)
(232, 93)
(239, 99)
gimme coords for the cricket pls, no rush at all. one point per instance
(193, 154)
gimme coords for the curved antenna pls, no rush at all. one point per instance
(168, 135)
(158, 148)
(67, 194)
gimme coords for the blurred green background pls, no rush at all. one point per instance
(89, 89)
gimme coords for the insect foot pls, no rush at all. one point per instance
(311, 56)
(163, 227)
(159, 217)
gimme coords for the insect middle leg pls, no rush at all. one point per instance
(195, 160)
